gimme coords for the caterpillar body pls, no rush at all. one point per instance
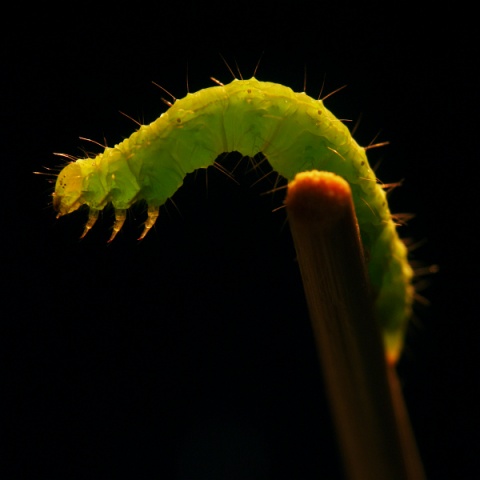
(295, 132)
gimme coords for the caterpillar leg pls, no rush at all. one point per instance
(92, 218)
(120, 217)
(152, 213)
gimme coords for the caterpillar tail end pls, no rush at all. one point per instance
(120, 217)
(153, 213)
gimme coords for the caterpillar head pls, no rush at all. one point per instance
(68, 195)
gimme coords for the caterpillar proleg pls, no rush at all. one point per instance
(295, 132)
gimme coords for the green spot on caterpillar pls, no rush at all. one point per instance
(295, 132)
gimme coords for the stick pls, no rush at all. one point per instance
(370, 417)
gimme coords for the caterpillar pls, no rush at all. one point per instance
(294, 131)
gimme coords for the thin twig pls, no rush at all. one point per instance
(373, 428)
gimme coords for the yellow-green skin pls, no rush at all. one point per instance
(295, 132)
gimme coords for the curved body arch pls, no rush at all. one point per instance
(295, 132)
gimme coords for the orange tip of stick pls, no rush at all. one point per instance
(322, 193)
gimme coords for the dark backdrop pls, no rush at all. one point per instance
(189, 355)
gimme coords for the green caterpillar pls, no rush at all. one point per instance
(295, 132)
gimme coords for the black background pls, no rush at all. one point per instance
(189, 355)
